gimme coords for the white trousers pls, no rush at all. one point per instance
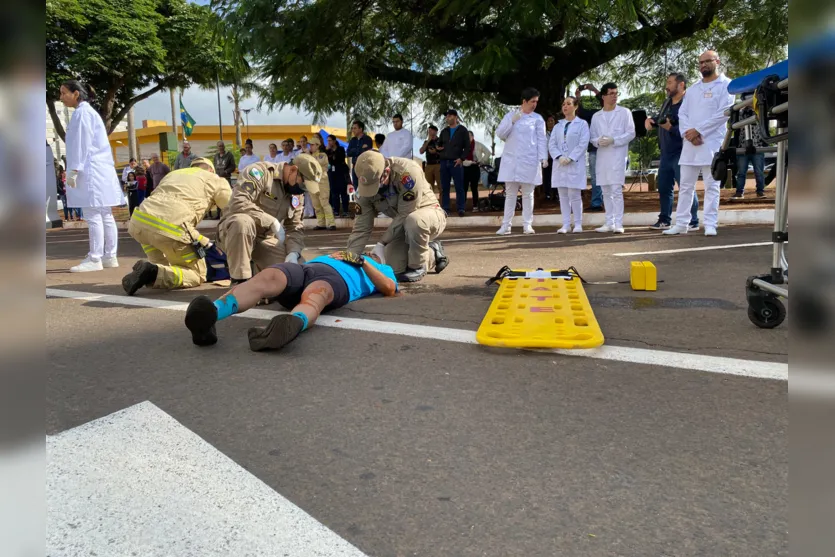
(613, 203)
(104, 236)
(687, 189)
(571, 202)
(511, 191)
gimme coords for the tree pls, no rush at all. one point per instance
(463, 53)
(127, 50)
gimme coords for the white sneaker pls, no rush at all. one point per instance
(528, 230)
(605, 228)
(710, 231)
(577, 229)
(618, 230)
(109, 262)
(503, 231)
(86, 266)
(677, 229)
(563, 230)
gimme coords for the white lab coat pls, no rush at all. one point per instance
(398, 144)
(88, 152)
(704, 108)
(572, 143)
(247, 160)
(524, 149)
(611, 160)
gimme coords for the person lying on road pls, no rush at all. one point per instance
(307, 290)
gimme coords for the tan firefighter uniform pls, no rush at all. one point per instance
(322, 202)
(260, 197)
(417, 218)
(166, 222)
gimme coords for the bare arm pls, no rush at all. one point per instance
(381, 282)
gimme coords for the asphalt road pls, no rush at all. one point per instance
(408, 445)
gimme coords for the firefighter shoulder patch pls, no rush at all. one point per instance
(407, 182)
(409, 196)
(256, 173)
(247, 187)
(295, 201)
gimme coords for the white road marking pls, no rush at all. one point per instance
(680, 360)
(684, 250)
(138, 482)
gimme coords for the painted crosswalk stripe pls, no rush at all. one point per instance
(138, 482)
(680, 360)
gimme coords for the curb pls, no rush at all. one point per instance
(754, 216)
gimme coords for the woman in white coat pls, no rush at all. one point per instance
(568, 144)
(525, 155)
(92, 182)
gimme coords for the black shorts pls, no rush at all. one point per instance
(300, 277)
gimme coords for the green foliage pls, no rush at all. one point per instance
(375, 57)
(129, 49)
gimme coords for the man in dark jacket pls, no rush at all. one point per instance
(452, 148)
(359, 144)
(224, 165)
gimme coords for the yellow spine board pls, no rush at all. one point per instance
(540, 313)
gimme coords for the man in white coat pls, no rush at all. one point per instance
(400, 142)
(612, 128)
(525, 155)
(702, 122)
(92, 181)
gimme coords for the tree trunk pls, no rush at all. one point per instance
(236, 99)
(56, 121)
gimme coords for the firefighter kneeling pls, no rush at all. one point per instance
(166, 226)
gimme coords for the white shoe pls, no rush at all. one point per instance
(710, 231)
(86, 266)
(618, 230)
(503, 231)
(528, 230)
(604, 229)
(563, 230)
(677, 229)
(577, 229)
(109, 262)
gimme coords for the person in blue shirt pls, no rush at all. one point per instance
(359, 144)
(307, 290)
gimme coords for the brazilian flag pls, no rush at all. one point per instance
(188, 121)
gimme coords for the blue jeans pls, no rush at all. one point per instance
(756, 160)
(669, 173)
(596, 191)
(456, 174)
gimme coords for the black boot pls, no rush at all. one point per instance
(144, 274)
(441, 260)
(280, 331)
(201, 317)
(412, 275)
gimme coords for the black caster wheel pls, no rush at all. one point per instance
(773, 313)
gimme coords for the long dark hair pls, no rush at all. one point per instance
(85, 91)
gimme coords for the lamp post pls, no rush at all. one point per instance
(246, 112)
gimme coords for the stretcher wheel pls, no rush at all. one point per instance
(770, 315)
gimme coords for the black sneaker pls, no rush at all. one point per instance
(594, 209)
(201, 317)
(280, 331)
(737, 196)
(441, 260)
(144, 274)
(760, 194)
(660, 225)
(332, 227)
(461, 213)
(320, 227)
(412, 275)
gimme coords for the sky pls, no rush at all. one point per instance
(202, 105)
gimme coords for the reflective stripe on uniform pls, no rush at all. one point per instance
(178, 273)
(190, 257)
(146, 248)
(154, 222)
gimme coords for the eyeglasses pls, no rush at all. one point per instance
(612, 94)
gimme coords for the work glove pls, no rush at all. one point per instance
(71, 178)
(605, 141)
(278, 230)
(468, 163)
(352, 258)
(516, 116)
(564, 161)
(380, 251)
(544, 163)
(292, 257)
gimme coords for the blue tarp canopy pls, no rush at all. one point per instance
(324, 135)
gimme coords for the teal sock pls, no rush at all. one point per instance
(303, 317)
(226, 306)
